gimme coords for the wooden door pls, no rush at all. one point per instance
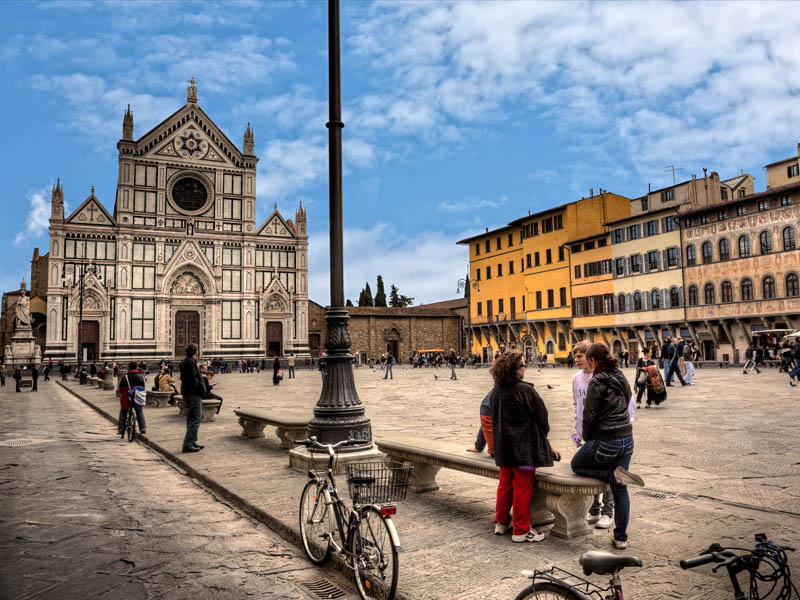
(274, 338)
(187, 330)
(314, 344)
(90, 339)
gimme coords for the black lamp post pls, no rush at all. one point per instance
(339, 413)
(464, 285)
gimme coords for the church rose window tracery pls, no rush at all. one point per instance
(189, 194)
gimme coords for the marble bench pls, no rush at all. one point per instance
(559, 496)
(96, 381)
(158, 399)
(289, 428)
(209, 408)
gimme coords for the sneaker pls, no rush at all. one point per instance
(619, 544)
(531, 536)
(604, 522)
(590, 518)
(625, 477)
(500, 529)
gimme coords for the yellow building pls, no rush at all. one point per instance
(592, 288)
(527, 304)
(783, 172)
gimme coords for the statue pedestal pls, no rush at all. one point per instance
(23, 348)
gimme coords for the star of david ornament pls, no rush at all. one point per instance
(191, 144)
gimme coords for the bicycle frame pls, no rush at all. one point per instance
(585, 590)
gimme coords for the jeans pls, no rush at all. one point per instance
(194, 411)
(598, 459)
(795, 373)
(689, 371)
(291, 372)
(674, 369)
(388, 372)
(123, 416)
(453, 372)
(606, 499)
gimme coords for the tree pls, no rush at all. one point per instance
(380, 293)
(398, 300)
(349, 302)
(365, 299)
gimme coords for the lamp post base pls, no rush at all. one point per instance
(300, 459)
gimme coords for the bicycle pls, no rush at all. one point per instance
(367, 538)
(765, 563)
(130, 425)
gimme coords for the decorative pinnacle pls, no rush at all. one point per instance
(191, 91)
(92, 190)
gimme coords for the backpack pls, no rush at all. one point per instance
(136, 395)
(655, 379)
(688, 353)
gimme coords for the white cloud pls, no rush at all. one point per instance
(470, 205)
(37, 221)
(290, 165)
(425, 266)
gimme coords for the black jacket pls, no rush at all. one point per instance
(605, 409)
(191, 382)
(520, 427)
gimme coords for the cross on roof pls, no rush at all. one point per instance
(91, 210)
(192, 81)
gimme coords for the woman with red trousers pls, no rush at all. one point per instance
(520, 428)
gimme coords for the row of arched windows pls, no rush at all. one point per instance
(746, 290)
(655, 299)
(743, 245)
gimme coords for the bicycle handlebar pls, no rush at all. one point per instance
(313, 443)
(698, 561)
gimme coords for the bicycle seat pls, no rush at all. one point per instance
(361, 480)
(604, 563)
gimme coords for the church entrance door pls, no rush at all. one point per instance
(90, 340)
(274, 338)
(391, 346)
(187, 330)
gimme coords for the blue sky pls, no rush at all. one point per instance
(458, 115)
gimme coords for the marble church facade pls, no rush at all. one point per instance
(181, 259)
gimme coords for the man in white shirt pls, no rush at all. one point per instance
(601, 513)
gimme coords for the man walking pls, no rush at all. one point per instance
(389, 361)
(750, 363)
(453, 362)
(192, 391)
(35, 375)
(671, 359)
(665, 356)
(689, 352)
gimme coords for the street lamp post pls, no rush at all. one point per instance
(465, 285)
(339, 413)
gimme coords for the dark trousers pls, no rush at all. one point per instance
(123, 417)
(598, 459)
(194, 411)
(673, 368)
(291, 372)
(35, 384)
(213, 396)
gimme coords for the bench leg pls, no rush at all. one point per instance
(539, 513)
(288, 436)
(153, 402)
(181, 408)
(423, 478)
(209, 414)
(570, 514)
(252, 429)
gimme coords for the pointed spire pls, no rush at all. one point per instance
(127, 124)
(249, 141)
(276, 207)
(57, 202)
(191, 92)
(92, 190)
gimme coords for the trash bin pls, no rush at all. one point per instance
(83, 378)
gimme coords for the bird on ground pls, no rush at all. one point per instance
(549, 387)
(436, 377)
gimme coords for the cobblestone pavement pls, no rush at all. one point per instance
(87, 515)
(720, 460)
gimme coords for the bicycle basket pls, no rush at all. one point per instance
(377, 482)
(573, 581)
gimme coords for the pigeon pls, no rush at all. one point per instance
(436, 377)
(549, 387)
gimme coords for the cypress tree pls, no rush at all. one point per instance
(380, 294)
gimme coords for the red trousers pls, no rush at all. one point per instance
(515, 489)
(486, 428)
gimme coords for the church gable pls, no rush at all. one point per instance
(189, 134)
(275, 226)
(91, 212)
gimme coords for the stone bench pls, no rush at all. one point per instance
(158, 399)
(96, 381)
(289, 428)
(559, 496)
(209, 408)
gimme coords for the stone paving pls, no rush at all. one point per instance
(720, 460)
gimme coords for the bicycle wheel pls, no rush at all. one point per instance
(545, 590)
(315, 523)
(375, 556)
(131, 426)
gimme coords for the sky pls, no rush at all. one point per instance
(458, 115)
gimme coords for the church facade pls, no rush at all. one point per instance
(181, 259)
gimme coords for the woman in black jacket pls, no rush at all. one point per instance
(276, 366)
(520, 428)
(608, 432)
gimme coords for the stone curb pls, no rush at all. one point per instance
(280, 527)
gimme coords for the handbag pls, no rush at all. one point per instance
(642, 379)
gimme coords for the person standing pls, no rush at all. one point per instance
(626, 356)
(46, 371)
(389, 362)
(291, 365)
(688, 359)
(17, 377)
(192, 392)
(453, 361)
(35, 375)
(519, 428)
(643, 380)
(2, 375)
(608, 432)
(673, 354)
(665, 355)
(276, 368)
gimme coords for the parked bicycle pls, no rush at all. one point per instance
(364, 534)
(766, 564)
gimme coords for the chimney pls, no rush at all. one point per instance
(648, 188)
(591, 192)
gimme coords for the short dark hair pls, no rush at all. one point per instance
(504, 369)
(132, 366)
(191, 349)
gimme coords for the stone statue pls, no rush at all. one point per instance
(24, 311)
(8, 352)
